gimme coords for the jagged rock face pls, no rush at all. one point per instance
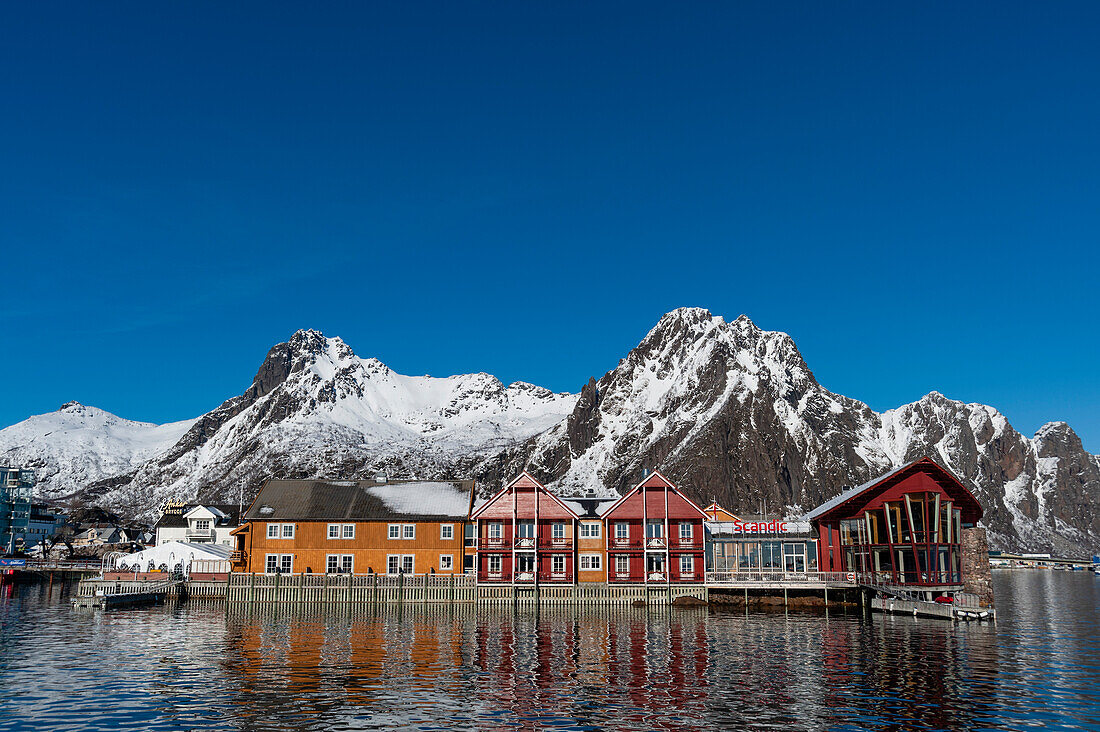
(729, 411)
(734, 414)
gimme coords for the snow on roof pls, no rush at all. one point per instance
(835, 501)
(444, 499)
(171, 553)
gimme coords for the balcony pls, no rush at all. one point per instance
(688, 542)
(625, 543)
(565, 542)
(494, 543)
(524, 577)
(200, 533)
(554, 577)
(236, 556)
(491, 577)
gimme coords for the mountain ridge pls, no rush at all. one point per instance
(732, 410)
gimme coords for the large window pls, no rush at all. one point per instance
(339, 564)
(279, 563)
(525, 562)
(590, 562)
(685, 530)
(622, 530)
(622, 565)
(280, 531)
(496, 530)
(687, 566)
(525, 529)
(557, 530)
(494, 564)
(341, 531)
(400, 564)
(590, 529)
(654, 529)
(557, 563)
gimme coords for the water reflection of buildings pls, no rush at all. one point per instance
(614, 669)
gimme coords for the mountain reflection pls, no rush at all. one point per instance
(423, 667)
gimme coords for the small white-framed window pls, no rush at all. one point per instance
(202, 524)
(622, 565)
(288, 531)
(685, 529)
(589, 562)
(622, 530)
(687, 566)
(557, 530)
(590, 530)
(274, 531)
(393, 563)
(494, 564)
(334, 531)
(654, 529)
(446, 532)
(347, 531)
(394, 533)
(279, 563)
(557, 563)
(496, 530)
(408, 564)
(408, 531)
(446, 562)
(339, 564)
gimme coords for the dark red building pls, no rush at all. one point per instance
(525, 533)
(655, 535)
(904, 527)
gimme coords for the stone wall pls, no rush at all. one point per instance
(977, 577)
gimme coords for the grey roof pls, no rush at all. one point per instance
(362, 500)
(176, 520)
(835, 501)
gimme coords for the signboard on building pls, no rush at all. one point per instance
(8, 562)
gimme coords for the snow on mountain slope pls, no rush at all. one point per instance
(733, 413)
(315, 409)
(78, 445)
(728, 410)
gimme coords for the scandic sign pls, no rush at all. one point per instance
(760, 527)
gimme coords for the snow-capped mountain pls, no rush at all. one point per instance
(78, 445)
(733, 413)
(729, 411)
(317, 409)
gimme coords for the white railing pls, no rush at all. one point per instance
(525, 543)
(656, 542)
(657, 576)
(780, 577)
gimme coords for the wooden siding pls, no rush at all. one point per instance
(369, 549)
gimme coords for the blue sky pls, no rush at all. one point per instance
(910, 192)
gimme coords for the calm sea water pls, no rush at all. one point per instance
(195, 667)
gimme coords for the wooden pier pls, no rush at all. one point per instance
(134, 594)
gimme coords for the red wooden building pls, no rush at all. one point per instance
(655, 535)
(904, 527)
(525, 533)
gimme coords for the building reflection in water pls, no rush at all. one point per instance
(499, 669)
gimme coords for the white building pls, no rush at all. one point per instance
(197, 523)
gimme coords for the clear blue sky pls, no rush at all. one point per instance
(913, 193)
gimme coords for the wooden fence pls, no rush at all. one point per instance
(325, 589)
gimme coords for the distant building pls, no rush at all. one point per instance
(44, 523)
(104, 535)
(197, 523)
(16, 488)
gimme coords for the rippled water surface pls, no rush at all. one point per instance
(197, 667)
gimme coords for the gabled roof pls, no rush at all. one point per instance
(654, 480)
(884, 481)
(362, 500)
(523, 480)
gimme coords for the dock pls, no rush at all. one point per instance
(148, 593)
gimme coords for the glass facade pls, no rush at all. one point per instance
(912, 540)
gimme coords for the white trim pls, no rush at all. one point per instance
(393, 531)
(442, 527)
(450, 559)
